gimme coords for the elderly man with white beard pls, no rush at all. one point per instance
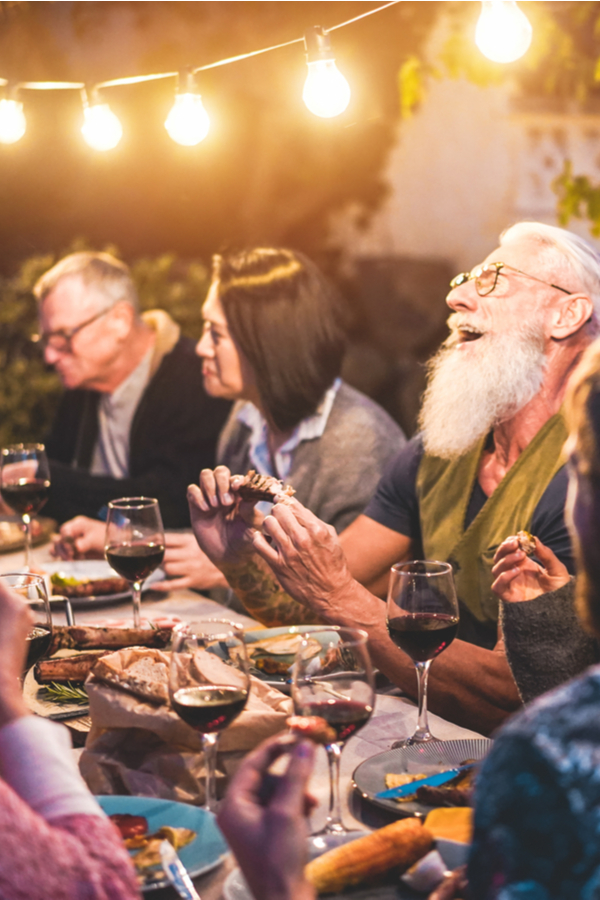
(486, 463)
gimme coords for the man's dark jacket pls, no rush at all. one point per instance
(173, 436)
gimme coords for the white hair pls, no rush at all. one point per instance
(571, 257)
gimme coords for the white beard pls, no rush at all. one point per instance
(471, 392)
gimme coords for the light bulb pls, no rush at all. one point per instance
(187, 122)
(503, 32)
(12, 121)
(326, 91)
(101, 129)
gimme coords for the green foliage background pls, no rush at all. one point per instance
(29, 390)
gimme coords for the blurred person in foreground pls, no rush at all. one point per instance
(536, 832)
(56, 841)
(274, 342)
(486, 464)
(134, 419)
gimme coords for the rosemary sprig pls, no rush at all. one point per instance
(65, 693)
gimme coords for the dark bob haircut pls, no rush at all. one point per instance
(287, 320)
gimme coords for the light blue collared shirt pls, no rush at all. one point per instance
(307, 430)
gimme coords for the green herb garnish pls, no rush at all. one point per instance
(65, 693)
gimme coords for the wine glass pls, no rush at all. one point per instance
(25, 484)
(333, 679)
(209, 683)
(135, 543)
(32, 589)
(422, 620)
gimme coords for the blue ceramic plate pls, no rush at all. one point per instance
(206, 851)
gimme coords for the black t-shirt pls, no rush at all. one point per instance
(396, 505)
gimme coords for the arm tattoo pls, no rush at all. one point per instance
(263, 596)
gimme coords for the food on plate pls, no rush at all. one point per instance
(275, 655)
(70, 693)
(452, 824)
(72, 588)
(313, 727)
(129, 825)
(263, 487)
(526, 542)
(397, 846)
(11, 533)
(137, 670)
(456, 792)
(134, 831)
(64, 668)
(96, 637)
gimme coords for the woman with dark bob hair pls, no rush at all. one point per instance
(274, 342)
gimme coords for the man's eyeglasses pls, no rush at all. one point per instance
(61, 339)
(486, 278)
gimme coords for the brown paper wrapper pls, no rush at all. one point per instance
(138, 747)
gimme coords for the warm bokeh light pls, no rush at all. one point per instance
(503, 31)
(326, 91)
(101, 128)
(12, 121)
(188, 122)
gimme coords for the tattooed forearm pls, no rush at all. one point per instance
(263, 596)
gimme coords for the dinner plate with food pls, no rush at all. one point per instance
(12, 537)
(272, 651)
(144, 822)
(92, 582)
(403, 766)
(400, 861)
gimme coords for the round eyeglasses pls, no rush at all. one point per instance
(486, 278)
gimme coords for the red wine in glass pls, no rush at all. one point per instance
(25, 484)
(423, 636)
(32, 590)
(336, 685)
(135, 562)
(209, 708)
(422, 620)
(135, 543)
(345, 717)
(26, 497)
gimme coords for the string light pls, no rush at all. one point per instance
(326, 91)
(101, 129)
(503, 32)
(12, 121)
(188, 122)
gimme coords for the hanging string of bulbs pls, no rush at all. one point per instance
(503, 34)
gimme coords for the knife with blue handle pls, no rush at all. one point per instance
(429, 781)
(176, 872)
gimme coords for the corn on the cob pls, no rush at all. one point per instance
(398, 845)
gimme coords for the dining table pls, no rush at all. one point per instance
(393, 718)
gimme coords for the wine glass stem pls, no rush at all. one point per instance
(422, 733)
(209, 748)
(27, 533)
(136, 590)
(334, 818)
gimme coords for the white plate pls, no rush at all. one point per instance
(453, 854)
(433, 756)
(206, 851)
(92, 569)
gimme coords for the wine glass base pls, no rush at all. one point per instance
(415, 739)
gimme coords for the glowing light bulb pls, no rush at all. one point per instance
(101, 129)
(188, 122)
(12, 121)
(326, 91)
(503, 32)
